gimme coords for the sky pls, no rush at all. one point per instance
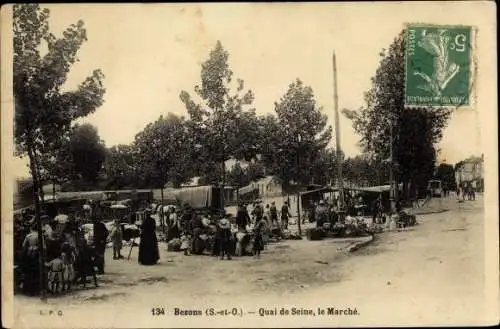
(150, 53)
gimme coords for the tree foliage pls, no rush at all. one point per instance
(296, 137)
(120, 167)
(221, 123)
(415, 130)
(88, 152)
(164, 152)
(446, 173)
(43, 111)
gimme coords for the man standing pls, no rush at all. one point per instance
(285, 215)
(242, 218)
(100, 237)
(258, 211)
(375, 210)
(273, 214)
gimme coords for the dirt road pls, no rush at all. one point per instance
(432, 273)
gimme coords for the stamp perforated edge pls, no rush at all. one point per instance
(472, 69)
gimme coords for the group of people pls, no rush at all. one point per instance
(68, 258)
(194, 228)
(70, 253)
(466, 192)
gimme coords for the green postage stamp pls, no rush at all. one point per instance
(438, 65)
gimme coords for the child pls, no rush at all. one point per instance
(224, 237)
(186, 244)
(68, 274)
(55, 276)
(117, 238)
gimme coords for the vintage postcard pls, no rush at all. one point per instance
(249, 165)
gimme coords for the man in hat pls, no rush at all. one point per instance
(273, 214)
(242, 217)
(186, 217)
(100, 237)
(285, 215)
(258, 211)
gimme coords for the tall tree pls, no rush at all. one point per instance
(446, 173)
(298, 135)
(43, 112)
(222, 126)
(163, 151)
(56, 164)
(87, 151)
(120, 167)
(415, 130)
(238, 177)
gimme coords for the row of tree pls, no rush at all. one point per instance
(221, 124)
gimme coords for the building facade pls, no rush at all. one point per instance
(270, 186)
(471, 172)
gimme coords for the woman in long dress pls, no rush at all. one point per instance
(31, 284)
(259, 230)
(149, 253)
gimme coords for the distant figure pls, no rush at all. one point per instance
(259, 229)
(174, 225)
(242, 217)
(149, 253)
(224, 238)
(321, 214)
(273, 213)
(376, 205)
(258, 212)
(311, 211)
(116, 236)
(100, 237)
(285, 215)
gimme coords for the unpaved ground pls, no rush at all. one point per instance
(432, 273)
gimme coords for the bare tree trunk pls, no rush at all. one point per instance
(36, 191)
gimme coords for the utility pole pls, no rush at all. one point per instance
(337, 140)
(391, 173)
(299, 139)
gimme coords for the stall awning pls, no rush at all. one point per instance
(247, 189)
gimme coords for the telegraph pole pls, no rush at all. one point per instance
(337, 140)
(391, 173)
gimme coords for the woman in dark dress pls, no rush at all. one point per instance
(258, 244)
(149, 253)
